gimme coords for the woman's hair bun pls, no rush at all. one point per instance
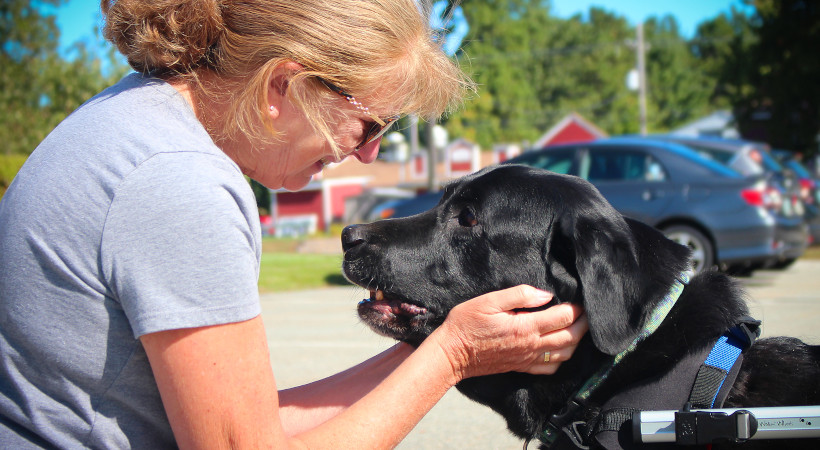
(163, 36)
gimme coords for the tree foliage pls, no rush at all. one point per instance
(782, 101)
(532, 69)
(39, 86)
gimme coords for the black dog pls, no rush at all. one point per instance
(516, 225)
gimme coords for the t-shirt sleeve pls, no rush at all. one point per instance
(181, 245)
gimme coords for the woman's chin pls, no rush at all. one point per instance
(298, 181)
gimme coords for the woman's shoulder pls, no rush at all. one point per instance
(134, 121)
(143, 105)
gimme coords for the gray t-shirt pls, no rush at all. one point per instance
(125, 220)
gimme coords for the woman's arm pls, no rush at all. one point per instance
(218, 387)
(304, 407)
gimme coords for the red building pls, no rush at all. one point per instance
(572, 128)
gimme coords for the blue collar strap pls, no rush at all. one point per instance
(714, 372)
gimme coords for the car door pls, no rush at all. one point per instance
(632, 180)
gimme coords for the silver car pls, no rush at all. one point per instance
(755, 159)
(727, 219)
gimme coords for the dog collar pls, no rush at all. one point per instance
(567, 415)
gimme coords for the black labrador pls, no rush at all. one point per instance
(513, 225)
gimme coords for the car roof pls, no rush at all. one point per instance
(732, 145)
(647, 142)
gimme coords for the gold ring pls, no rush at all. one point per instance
(546, 357)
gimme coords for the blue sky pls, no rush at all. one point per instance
(77, 18)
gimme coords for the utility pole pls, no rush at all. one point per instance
(432, 156)
(642, 79)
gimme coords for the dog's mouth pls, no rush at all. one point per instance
(378, 302)
(393, 317)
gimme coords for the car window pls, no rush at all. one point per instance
(624, 165)
(798, 168)
(769, 162)
(750, 164)
(558, 161)
(722, 156)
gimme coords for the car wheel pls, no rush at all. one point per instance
(703, 255)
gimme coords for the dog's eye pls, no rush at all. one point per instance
(467, 218)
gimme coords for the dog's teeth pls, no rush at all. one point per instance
(413, 309)
(378, 296)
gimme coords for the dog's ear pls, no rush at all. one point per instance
(606, 261)
(593, 260)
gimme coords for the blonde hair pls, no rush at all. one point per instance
(360, 45)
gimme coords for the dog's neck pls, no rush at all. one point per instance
(653, 322)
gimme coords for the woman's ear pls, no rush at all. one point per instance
(278, 83)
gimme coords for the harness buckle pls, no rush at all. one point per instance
(565, 423)
(747, 330)
(705, 427)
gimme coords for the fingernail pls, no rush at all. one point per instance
(544, 295)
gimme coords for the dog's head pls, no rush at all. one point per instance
(503, 227)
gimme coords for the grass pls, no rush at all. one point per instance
(297, 271)
(283, 268)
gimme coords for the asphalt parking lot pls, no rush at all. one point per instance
(313, 334)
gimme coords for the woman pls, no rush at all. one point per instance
(129, 312)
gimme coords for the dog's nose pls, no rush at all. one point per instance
(352, 236)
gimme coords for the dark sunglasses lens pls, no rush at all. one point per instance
(376, 131)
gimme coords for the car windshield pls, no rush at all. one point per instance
(756, 162)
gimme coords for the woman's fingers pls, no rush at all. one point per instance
(548, 362)
(568, 335)
(517, 297)
(556, 317)
(558, 345)
(494, 334)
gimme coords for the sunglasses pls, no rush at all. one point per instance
(379, 127)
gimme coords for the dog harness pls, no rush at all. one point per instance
(714, 371)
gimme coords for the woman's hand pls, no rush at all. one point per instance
(489, 334)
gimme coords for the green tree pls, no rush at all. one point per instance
(501, 54)
(721, 46)
(679, 87)
(533, 69)
(38, 86)
(783, 70)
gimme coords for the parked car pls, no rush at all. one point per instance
(809, 191)
(727, 219)
(366, 206)
(751, 158)
(409, 207)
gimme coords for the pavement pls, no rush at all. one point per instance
(316, 333)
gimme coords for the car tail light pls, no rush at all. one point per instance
(764, 196)
(807, 186)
